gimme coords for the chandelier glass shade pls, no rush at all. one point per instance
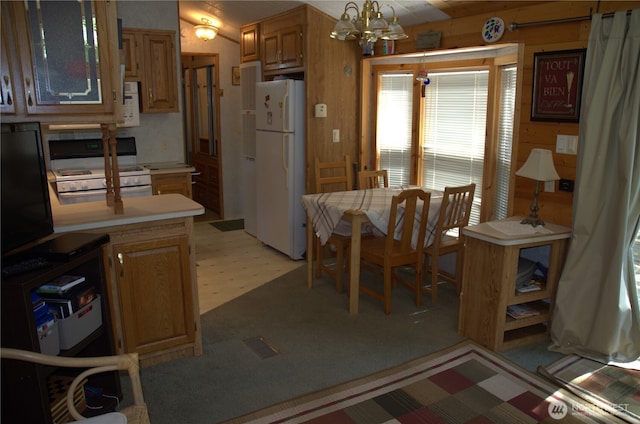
(206, 31)
(368, 26)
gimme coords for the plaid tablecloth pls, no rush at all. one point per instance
(326, 210)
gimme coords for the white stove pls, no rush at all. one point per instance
(78, 167)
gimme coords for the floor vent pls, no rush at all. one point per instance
(261, 347)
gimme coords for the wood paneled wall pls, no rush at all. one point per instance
(464, 32)
(332, 77)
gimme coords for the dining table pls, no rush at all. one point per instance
(351, 211)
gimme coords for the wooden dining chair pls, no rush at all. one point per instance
(373, 179)
(454, 215)
(389, 253)
(136, 413)
(330, 177)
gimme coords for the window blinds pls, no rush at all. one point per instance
(393, 127)
(454, 128)
(508, 76)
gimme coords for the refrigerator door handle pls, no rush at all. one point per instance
(286, 125)
(285, 150)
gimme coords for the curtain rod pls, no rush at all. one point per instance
(513, 26)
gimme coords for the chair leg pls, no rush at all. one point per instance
(459, 267)
(387, 289)
(319, 248)
(434, 278)
(339, 266)
(418, 283)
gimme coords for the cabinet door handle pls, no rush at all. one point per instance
(150, 96)
(121, 260)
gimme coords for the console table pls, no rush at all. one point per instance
(493, 250)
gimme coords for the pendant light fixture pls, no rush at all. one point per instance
(206, 31)
(368, 26)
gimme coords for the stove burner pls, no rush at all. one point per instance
(73, 172)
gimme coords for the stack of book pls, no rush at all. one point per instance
(43, 317)
(521, 310)
(530, 286)
(67, 294)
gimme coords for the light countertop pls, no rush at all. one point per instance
(93, 215)
(510, 232)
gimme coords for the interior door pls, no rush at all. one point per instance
(202, 124)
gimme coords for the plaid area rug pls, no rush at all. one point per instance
(615, 389)
(463, 384)
(229, 225)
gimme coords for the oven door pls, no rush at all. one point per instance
(100, 195)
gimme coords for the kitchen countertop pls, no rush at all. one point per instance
(93, 215)
(168, 167)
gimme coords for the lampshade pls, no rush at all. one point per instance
(345, 29)
(539, 166)
(206, 31)
(377, 25)
(396, 32)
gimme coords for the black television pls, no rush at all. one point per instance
(26, 209)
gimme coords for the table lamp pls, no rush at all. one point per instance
(539, 167)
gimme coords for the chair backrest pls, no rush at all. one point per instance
(403, 206)
(93, 365)
(333, 176)
(455, 209)
(372, 179)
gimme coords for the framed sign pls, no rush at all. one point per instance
(557, 85)
(235, 75)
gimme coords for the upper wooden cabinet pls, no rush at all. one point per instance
(282, 42)
(129, 56)
(150, 58)
(250, 43)
(283, 49)
(7, 104)
(60, 58)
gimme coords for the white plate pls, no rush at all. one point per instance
(493, 29)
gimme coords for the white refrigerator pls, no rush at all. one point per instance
(280, 166)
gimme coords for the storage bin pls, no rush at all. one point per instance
(49, 338)
(526, 268)
(79, 325)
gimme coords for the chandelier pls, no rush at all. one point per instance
(368, 26)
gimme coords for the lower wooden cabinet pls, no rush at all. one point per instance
(152, 276)
(154, 284)
(179, 182)
(489, 287)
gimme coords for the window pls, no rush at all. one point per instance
(454, 127)
(395, 99)
(508, 76)
(450, 133)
